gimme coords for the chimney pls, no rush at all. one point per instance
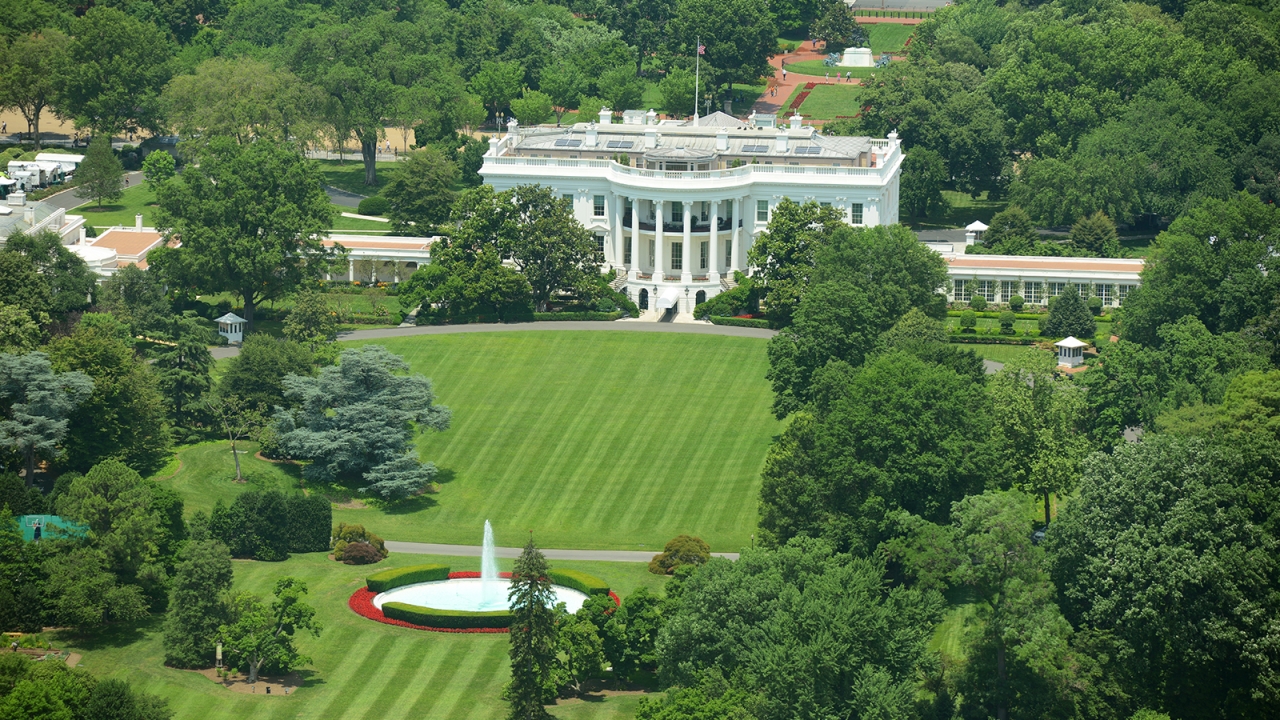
(796, 123)
(722, 140)
(29, 216)
(84, 235)
(493, 145)
(893, 136)
(651, 117)
(512, 126)
(780, 141)
(137, 222)
(592, 135)
(751, 119)
(606, 116)
(651, 137)
(873, 159)
(17, 199)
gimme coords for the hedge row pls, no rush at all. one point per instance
(396, 577)
(995, 315)
(992, 340)
(458, 619)
(740, 322)
(594, 315)
(580, 581)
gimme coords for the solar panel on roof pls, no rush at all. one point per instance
(809, 150)
(564, 142)
(755, 148)
(619, 144)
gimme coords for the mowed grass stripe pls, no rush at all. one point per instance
(589, 439)
(366, 657)
(481, 676)
(414, 656)
(432, 688)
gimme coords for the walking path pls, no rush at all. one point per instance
(69, 200)
(383, 333)
(510, 552)
(774, 104)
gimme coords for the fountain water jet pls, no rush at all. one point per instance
(488, 568)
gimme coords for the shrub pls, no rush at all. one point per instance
(360, 553)
(580, 581)
(1007, 318)
(681, 550)
(1068, 316)
(345, 535)
(739, 322)
(977, 302)
(458, 619)
(310, 518)
(255, 525)
(375, 205)
(1095, 305)
(1016, 302)
(397, 577)
(565, 316)
(968, 321)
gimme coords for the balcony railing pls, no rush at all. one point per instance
(883, 161)
(723, 225)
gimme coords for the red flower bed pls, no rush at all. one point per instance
(361, 602)
(795, 104)
(810, 85)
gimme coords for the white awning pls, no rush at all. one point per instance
(668, 299)
(976, 226)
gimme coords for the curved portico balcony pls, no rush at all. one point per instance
(697, 227)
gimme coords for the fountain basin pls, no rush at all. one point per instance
(468, 594)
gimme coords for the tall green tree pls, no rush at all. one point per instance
(196, 604)
(532, 108)
(784, 254)
(357, 420)
(545, 242)
(158, 167)
(739, 36)
(100, 176)
(116, 505)
(260, 636)
(29, 69)
(257, 373)
(641, 22)
(183, 367)
(135, 297)
(1069, 316)
(269, 102)
(1096, 234)
(21, 591)
(497, 83)
(533, 635)
(924, 173)
(420, 191)
(116, 67)
(252, 220)
(71, 282)
(38, 403)
(311, 321)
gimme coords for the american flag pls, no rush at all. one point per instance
(702, 49)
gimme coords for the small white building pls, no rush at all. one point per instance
(1071, 351)
(231, 327)
(973, 232)
(1035, 279)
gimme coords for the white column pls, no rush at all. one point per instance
(713, 261)
(351, 270)
(686, 247)
(735, 259)
(658, 255)
(373, 271)
(635, 239)
(615, 231)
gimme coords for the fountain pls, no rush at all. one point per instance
(483, 594)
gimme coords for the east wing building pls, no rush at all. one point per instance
(677, 204)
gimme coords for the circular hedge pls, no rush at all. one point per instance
(454, 621)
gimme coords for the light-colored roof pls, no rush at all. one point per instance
(802, 145)
(1071, 342)
(976, 225)
(129, 242)
(230, 318)
(93, 254)
(369, 244)
(718, 119)
(1042, 264)
(60, 157)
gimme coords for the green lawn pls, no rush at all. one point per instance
(589, 439)
(356, 225)
(360, 669)
(997, 353)
(960, 210)
(348, 174)
(818, 69)
(888, 37)
(827, 102)
(137, 199)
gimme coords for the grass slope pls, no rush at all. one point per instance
(888, 37)
(360, 669)
(136, 199)
(827, 102)
(589, 439)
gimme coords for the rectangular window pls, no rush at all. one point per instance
(626, 254)
(597, 210)
(855, 214)
(824, 204)
(1056, 289)
(1008, 288)
(1122, 292)
(568, 197)
(599, 243)
(677, 212)
(728, 254)
(703, 252)
(1105, 293)
(652, 256)
(677, 256)
(962, 291)
(987, 289)
(762, 211)
(1034, 292)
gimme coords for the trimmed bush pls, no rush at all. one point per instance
(457, 619)
(398, 577)
(360, 553)
(545, 316)
(375, 205)
(1016, 302)
(580, 581)
(740, 322)
(344, 535)
(977, 302)
(310, 518)
(968, 321)
(1095, 305)
(1007, 318)
(679, 551)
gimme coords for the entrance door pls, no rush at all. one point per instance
(644, 299)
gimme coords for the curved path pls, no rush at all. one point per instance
(630, 326)
(414, 548)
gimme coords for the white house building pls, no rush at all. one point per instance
(1036, 279)
(677, 204)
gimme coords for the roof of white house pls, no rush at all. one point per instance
(976, 226)
(1071, 342)
(717, 119)
(230, 318)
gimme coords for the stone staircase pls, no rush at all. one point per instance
(620, 279)
(727, 282)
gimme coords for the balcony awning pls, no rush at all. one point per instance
(668, 299)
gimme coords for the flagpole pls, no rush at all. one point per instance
(697, 69)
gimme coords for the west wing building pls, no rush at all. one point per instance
(677, 205)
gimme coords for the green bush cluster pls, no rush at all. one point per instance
(454, 619)
(376, 205)
(344, 535)
(562, 316)
(398, 577)
(991, 340)
(268, 525)
(739, 322)
(580, 581)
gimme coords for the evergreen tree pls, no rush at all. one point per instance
(37, 401)
(533, 635)
(196, 607)
(100, 176)
(182, 368)
(1096, 233)
(1069, 316)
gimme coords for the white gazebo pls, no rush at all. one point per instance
(1071, 351)
(231, 327)
(973, 232)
